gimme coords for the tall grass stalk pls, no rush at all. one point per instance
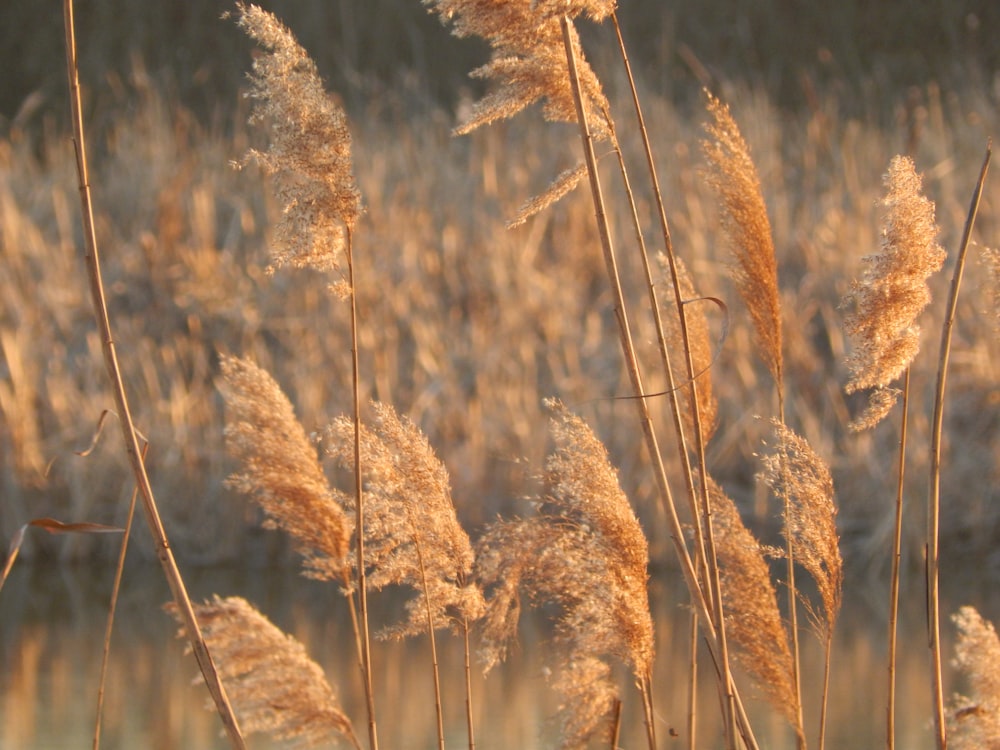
(625, 335)
(132, 449)
(934, 499)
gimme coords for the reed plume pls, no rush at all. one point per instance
(528, 64)
(750, 602)
(412, 534)
(991, 259)
(586, 553)
(892, 292)
(281, 471)
(974, 721)
(273, 685)
(732, 175)
(797, 474)
(310, 148)
(795, 471)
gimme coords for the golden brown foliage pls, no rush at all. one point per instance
(280, 469)
(732, 175)
(273, 685)
(797, 474)
(974, 722)
(753, 621)
(310, 150)
(412, 535)
(892, 292)
(586, 553)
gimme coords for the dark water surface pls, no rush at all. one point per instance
(52, 622)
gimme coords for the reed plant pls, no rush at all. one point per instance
(367, 498)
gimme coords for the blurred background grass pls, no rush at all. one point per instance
(468, 326)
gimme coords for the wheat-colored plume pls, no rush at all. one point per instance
(732, 175)
(412, 535)
(280, 468)
(700, 341)
(753, 621)
(796, 473)
(273, 685)
(974, 721)
(310, 147)
(529, 64)
(585, 552)
(892, 292)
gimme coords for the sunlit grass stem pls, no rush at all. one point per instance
(132, 449)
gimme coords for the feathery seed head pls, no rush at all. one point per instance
(732, 175)
(273, 685)
(797, 474)
(585, 552)
(411, 531)
(974, 721)
(310, 150)
(753, 621)
(280, 469)
(892, 292)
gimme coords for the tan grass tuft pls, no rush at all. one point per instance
(280, 468)
(974, 722)
(411, 531)
(753, 621)
(732, 175)
(586, 553)
(796, 473)
(892, 292)
(310, 151)
(273, 685)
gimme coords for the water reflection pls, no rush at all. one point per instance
(52, 622)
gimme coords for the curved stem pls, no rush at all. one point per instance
(934, 500)
(155, 523)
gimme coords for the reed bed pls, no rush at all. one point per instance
(403, 297)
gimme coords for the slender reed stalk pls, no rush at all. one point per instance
(112, 606)
(131, 440)
(897, 543)
(934, 500)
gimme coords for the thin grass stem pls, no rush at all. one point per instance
(96, 283)
(112, 606)
(366, 657)
(934, 501)
(897, 540)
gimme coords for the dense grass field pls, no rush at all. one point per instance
(465, 326)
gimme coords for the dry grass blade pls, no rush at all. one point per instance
(732, 175)
(754, 621)
(974, 721)
(274, 686)
(411, 530)
(587, 554)
(280, 469)
(893, 291)
(310, 148)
